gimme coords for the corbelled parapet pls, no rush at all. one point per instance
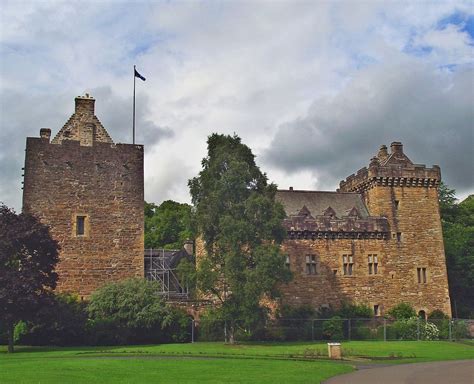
(331, 227)
(394, 169)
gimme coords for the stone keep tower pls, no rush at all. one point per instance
(90, 192)
(407, 195)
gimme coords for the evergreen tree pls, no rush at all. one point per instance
(241, 226)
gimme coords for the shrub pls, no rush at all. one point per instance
(333, 328)
(61, 322)
(412, 328)
(353, 311)
(132, 311)
(402, 311)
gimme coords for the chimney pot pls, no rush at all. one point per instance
(396, 147)
(45, 133)
(85, 105)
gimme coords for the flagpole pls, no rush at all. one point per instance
(134, 103)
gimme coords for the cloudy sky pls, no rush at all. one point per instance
(313, 87)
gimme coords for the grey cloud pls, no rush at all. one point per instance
(23, 115)
(429, 111)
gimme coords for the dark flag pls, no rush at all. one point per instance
(138, 75)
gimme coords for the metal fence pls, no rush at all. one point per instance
(333, 329)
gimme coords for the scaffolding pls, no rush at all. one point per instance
(160, 266)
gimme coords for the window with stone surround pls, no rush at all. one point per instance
(311, 265)
(80, 225)
(421, 275)
(373, 263)
(287, 261)
(347, 264)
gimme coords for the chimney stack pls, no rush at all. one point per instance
(396, 148)
(85, 105)
(383, 154)
(189, 247)
(45, 133)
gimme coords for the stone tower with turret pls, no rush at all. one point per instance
(376, 241)
(90, 192)
(407, 195)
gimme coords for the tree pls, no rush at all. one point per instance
(458, 233)
(241, 226)
(28, 256)
(167, 225)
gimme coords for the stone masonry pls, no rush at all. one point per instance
(90, 192)
(376, 241)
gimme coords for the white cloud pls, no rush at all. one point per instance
(242, 66)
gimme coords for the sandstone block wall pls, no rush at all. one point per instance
(103, 183)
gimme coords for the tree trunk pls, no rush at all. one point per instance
(10, 330)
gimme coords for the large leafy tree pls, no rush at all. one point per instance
(241, 227)
(167, 225)
(28, 256)
(458, 231)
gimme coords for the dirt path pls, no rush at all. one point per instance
(442, 372)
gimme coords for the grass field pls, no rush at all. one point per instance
(211, 362)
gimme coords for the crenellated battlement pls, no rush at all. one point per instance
(395, 169)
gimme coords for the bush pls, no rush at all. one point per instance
(414, 328)
(132, 312)
(333, 328)
(61, 322)
(354, 311)
(402, 311)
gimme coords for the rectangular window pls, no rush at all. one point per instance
(373, 264)
(421, 274)
(376, 310)
(287, 262)
(397, 203)
(311, 264)
(399, 236)
(348, 265)
(80, 225)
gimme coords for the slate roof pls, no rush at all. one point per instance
(317, 202)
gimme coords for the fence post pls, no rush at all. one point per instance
(384, 329)
(225, 331)
(418, 329)
(451, 330)
(192, 331)
(312, 329)
(349, 330)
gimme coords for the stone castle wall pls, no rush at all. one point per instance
(409, 248)
(100, 182)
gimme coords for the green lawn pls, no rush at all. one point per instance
(210, 362)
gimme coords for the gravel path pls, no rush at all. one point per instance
(443, 372)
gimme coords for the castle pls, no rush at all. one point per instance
(377, 240)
